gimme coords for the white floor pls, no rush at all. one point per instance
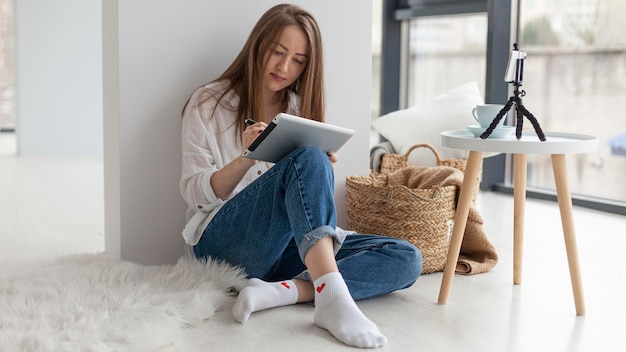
(53, 206)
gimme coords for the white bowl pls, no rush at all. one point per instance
(500, 132)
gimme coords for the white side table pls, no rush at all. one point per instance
(557, 145)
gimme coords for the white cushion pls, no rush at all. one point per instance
(423, 123)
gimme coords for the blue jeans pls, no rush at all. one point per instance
(269, 226)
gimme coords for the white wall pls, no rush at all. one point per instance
(156, 52)
(59, 77)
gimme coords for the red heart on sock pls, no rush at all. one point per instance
(320, 288)
(286, 285)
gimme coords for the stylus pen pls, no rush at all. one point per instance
(249, 122)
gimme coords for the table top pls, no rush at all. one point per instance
(555, 143)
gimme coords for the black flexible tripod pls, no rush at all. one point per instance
(514, 75)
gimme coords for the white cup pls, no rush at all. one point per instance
(485, 114)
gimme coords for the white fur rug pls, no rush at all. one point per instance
(91, 303)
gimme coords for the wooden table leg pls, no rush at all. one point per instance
(519, 200)
(559, 166)
(470, 179)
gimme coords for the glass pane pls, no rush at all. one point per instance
(575, 81)
(8, 142)
(377, 33)
(445, 52)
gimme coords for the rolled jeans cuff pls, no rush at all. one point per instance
(311, 238)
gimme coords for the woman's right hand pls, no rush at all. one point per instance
(226, 179)
(252, 132)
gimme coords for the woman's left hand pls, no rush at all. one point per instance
(332, 157)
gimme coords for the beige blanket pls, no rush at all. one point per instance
(477, 254)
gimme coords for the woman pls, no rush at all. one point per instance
(278, 221)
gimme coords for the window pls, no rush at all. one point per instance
(574, 77)
(444, 52)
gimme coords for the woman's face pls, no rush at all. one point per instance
(286, 59)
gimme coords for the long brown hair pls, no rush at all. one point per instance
(244, 73)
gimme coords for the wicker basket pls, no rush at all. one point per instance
(393, 162)
(423, 217)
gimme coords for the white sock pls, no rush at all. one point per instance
(336, 311)
(259, 295)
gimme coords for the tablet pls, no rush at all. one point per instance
(288, 132)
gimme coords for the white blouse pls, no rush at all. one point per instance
(208, 144)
